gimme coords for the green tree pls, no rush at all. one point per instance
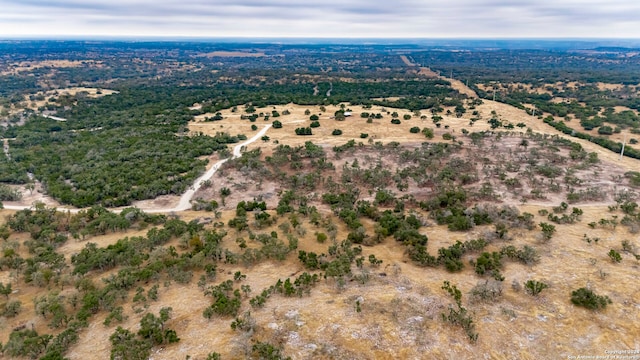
(5, 290)
(125, 346)
(428, 133)
(586, 298)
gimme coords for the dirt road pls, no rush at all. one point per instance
(185, 199)
(456, 84)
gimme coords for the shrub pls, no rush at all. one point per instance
(8, 194)
(527, 255)
(428, 133)
(12, 308)
(547, 230)
(489, 262)
(321, 237)
(605, 130)
(214, 356)
(534, 287)
(487, 291)
(336, 132)
(263, 350)
(314, 117)
(315, 124)
(419, 255)
(458, 315)
(26, 343)
(364, 136)
(396, 121)
(125, 345)
(614, 256)
(277, 124)
(414, 130)
(304, 131)
(588, 299)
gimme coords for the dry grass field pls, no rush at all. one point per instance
(397, 312)
(27, 66)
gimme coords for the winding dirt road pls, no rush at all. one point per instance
(185, 199)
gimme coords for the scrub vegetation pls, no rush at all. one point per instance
(387, 212)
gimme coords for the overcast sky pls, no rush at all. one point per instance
(323, 18)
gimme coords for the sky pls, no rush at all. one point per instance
(322, 18)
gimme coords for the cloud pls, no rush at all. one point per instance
(328, 18)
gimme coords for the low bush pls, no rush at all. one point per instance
(588, 299)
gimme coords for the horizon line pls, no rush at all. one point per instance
(460, 38)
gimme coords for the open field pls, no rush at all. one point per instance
(27, 66)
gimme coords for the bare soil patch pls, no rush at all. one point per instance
(27, 66)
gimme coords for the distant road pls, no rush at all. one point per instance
(185, 199)
(456, 84)
(5, 147)
(54, 117)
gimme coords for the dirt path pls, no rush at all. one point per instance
(185, 200)
(461, 87)
(456, 84)
(5, 147)
(54, 117)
